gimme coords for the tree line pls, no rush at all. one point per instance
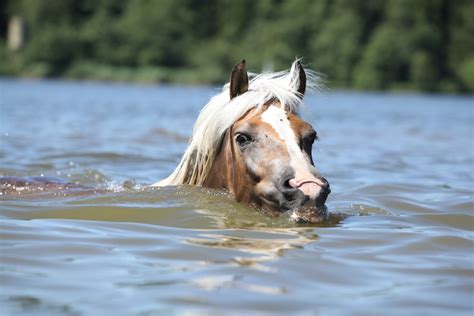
(425, 45)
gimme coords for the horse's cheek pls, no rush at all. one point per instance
(253, 163)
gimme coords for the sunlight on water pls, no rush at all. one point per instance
(95, 238)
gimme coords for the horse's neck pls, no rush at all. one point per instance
(228, 172)
(221, 172)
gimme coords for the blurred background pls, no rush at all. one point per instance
(423, 45)
(401, 165)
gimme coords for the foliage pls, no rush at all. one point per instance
(365, 44)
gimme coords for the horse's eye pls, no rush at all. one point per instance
(243, 139)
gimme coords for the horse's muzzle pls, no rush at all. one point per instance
(313, 210)
(323, 193)
(307, 192)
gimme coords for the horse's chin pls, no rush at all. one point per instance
(309, 214)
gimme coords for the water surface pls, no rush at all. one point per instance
(400, 168)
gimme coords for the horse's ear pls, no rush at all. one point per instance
(239, 80)
(299, 77)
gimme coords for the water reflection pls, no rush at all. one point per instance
(262, 245)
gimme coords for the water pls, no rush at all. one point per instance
(400, 168)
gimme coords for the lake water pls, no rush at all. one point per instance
(401, 168)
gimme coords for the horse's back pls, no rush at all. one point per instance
(20, 185)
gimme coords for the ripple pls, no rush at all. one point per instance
(100, 156)
(399, 240)
(461, 221)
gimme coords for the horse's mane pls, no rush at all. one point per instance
(222, 112)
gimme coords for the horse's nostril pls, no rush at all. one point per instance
(327, 188)
(288, 191)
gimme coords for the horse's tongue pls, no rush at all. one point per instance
(310, 189)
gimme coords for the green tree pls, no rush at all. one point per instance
(367, 44)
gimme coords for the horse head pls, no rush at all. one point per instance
(266, 155)
(251, 141)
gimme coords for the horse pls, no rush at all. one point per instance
(251, 141)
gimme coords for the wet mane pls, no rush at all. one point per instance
(222, 112)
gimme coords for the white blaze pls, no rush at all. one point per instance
(304, 171)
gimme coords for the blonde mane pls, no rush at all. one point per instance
(222, 112)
